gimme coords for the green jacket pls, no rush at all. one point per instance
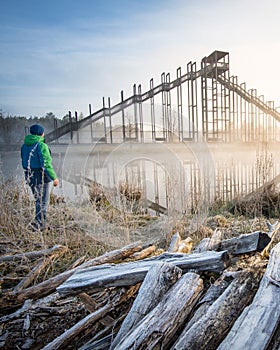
(36, 157)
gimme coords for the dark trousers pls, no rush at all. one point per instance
(41, 194)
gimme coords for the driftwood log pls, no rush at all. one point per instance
(159, 326)
(69, 335)
(243, 244)
(227, 307)
(91, 305)
(49, 286)
(101, 344)
(167, 312)
(64, 339)
(180, 245)
(250, 243)
(273, 230)
(127, 274)
(144, 253)
(34, 254)
(157, 282)
(209, 243)
(35, 272)
(211, 295)
(258, 322)
(174, 243)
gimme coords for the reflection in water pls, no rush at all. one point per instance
(177, 178)
(166, 177)
(179, 181)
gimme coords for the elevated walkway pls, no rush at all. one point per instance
(212, 117)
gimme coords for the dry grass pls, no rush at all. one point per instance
(90, 228)
(264, 200)
(17, 236)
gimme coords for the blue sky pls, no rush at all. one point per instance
(61, 55)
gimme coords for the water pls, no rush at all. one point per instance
(173, 177)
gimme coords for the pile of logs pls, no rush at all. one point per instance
(224, 294)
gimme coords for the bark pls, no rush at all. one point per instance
(68, 336)
(273, 230)
(212, 294)
(250, 243)
(174, 244)
(102, 344)
(157, 282)
(275, 341)
(209, 243)
(258, 322)
(35, 272)
(127, 274)
(34, 254)
(92, 306)
(78, 262)
(199, 335)
(42, 289)
(64, 339)
(144, 253)
(157, 329)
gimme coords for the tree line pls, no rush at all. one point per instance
(14, 128)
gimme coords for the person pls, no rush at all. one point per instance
(39, 172)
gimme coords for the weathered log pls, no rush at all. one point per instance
(160, 277)
(144, 253)
(92, 306)
(42, 289)
(243, 244)
(88, 302)
(227, 307)
(26, 306)
(77, 262)
(157, 329)
(65, 338)
(27, 280)
(273, 229)
(35, 272)
(209, 243)
(185, 246)
(127, 274)
(205, 261)
(274, 344)
(212, 294)
(249, 243)
(102, 344)
(174, 244)
(34, 254)
(257, 323)
(180, 245)
(114, 255)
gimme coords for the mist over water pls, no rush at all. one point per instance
(177, 177)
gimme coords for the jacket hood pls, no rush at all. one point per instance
(30, 140)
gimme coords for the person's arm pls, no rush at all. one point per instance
(47, 163)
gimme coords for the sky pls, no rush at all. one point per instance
(61, 55)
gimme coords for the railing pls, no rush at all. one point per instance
(214, 70)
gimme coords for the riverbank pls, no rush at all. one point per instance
(78, 234)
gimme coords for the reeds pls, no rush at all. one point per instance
(18, 236)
